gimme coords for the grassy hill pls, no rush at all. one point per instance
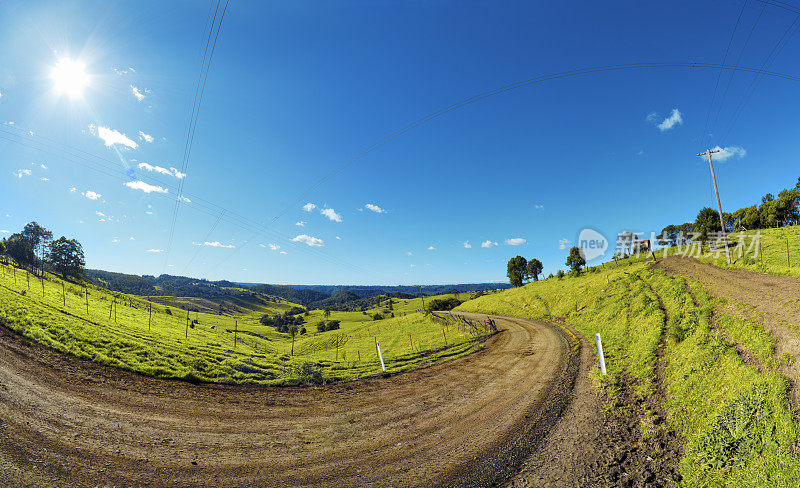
(155, 337)
(659, 337)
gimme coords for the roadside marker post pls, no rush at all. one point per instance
(600, 353)
(380, 355)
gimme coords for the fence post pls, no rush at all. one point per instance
(64, 294)
(412, 343)
(788, 262)
(380, 355)
(600, 353)
(445, 336)
(42, 276)
(235, 330)
(86, 294)
(187, 323)
(150, 320)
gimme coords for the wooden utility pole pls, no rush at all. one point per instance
(150, 320)
(235, 330)
(788, 261)
(63, 294)
(187, 323)
(115, 310)
(708, 153)
(42, 275)
(86, 294)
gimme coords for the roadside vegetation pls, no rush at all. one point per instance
(733, 417)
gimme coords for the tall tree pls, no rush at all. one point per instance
(66, 257)
(707, 222)
(516, 270)
(20, 249)
(575, 260)
(39, 238)
(534, 269)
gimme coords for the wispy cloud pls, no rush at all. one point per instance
(674, 118)
(160, 169)
(23, 172)
(43, 166)
(538, 207)
(139, 94)
(145, 137)
(123, 71)
(115, 240)
(726, 153)
(184, 199)
(563, 243)
(309, 207)
(91, 195)
(155, 250)
(274, 247)
(410, 253)
(516, 241)
(331, 214)
(145, 187)
(301, 223)
(311, 241)
(111, 137)
(43, 178)
(488, 244)
(218, 244)
(431, 248)
(374, 208)
(4, 231)
(467, 245)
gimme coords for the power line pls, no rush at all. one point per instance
(193, 120)
(738, 60)
(719, 74)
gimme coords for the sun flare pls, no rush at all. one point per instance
(70, 77)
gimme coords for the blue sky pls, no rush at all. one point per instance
(296, 89)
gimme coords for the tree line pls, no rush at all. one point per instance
(34, 248)
(772, 212)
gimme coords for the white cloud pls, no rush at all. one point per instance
(563, 243)
(311, 241)
(331, 214)
(218, 244)
(374, 208)
(409, 253)
(91, 195)
(4, 231)
(160, 169)
(43, 166)
(309, 207)
(515, 241)
(261, 245)
(155, 250)
(726, 153)
(145, 137)
(302, 223)
(1, 95)
(184, 199)
(23, 172)
(139, 94)
(44, 179)
(131, 238)
(538, 207)
(111, 137)
(145, 187)
(338, 238)
(72, 189)
(412, 265)
(467, 245)
(284, 252)
(488, 244)
(674, 118)
(431, 248)
(115, 240)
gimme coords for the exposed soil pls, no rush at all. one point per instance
(471, 421)
(773, 301)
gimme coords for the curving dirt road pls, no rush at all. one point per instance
(472, 421)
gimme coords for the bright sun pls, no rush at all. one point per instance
(70, 77)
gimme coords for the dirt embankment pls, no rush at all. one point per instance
(773, 301)
(472, 421)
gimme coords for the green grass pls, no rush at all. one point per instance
(737, 428)
(207, 351)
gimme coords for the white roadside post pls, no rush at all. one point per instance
(600, 353)
(380, 354)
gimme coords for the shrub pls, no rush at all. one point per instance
(377, 316)
(321, 326)
(440, 304)
(310, 374)
(332, 325)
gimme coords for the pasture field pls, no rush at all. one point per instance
(117, 330)
(658, 334)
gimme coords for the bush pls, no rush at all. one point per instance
(560, 274)
(321, 326)
(302, 330)
(332, 325)
(168, 311)
(310, 374)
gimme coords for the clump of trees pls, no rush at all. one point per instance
(520, 269)
(328, 325)
(283, 322)
(772, 212)
(35, 249)
(442, 304)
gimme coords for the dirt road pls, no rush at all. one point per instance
(472, 421)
